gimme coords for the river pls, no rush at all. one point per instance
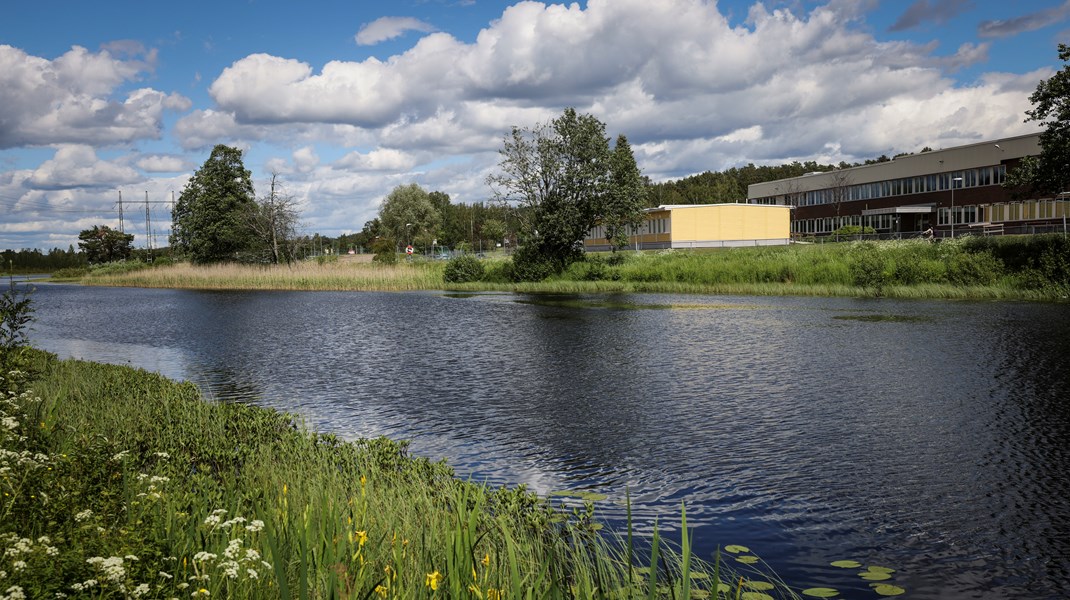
(930, 437)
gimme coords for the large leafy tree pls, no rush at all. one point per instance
(409, 216)
(1049, 173)
(103, 244)
(560, 173)
(622, 212)
(211, 217)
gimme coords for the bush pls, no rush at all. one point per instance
(463, 269)
(870, 268)
(980, 268)
(530, 265)
(385, 252)
(70, 273)
(854, 230)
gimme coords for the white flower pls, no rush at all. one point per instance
(140, 590)
(204, 556)
(255, 525)
(166, 575)
(85, 514)
(120, 456)
(19, 565)
(15, 593)
(253, 574)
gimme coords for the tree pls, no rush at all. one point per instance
(408, 214)
(211, 217)
(103, 244)
(560, 174)
(1049, 173)
(623, 209)
(274, 221)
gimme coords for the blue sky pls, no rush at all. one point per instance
(346, 100)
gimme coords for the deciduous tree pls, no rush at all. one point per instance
(408, 214)
(1049, 173)
(211, 217)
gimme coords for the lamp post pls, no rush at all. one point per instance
(952, 215)
(1062, 195)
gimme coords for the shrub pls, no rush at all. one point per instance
(870, 268)
(969, 268)
(854, 230)
(385, 252)
(463, 269)
(70, 273)
(530, 265)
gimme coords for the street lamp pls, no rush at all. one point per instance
(952, 215)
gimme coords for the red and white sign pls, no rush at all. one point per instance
(408, 249)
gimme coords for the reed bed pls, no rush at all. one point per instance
(310, 275)
(120, 483)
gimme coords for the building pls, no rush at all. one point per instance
(704, 226)
(953, 191)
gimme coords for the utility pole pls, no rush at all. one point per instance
(121, 212)
(148, 225)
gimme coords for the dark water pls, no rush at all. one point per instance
(931, 437)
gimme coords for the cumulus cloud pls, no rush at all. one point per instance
(937, 11)
(77, 166)
(163, 163)
(1028, 22)
(388, 28)
(72, 99)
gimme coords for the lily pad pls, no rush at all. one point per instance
(881, 570)
(887, 589)
(760, 586)
(755, 596)
(874, 576)
(736, 549)
(821, 592)
(846, 564)
(699, 575)
(724, 588)
(747, 560)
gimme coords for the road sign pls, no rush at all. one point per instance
(408, 249)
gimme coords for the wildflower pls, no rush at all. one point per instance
(140, 590)
(201, 593)
(255, 525)
(433, 579)
(204, 556)
(120, 456)
(493, 594)
(15, 593)
(19, 565)
(163, 455)
(486, 559)
(362, 538)
(381, 591)
(363, 481)
(252, 574)
(166, 575)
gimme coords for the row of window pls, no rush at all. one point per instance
(897, 187)
(964, 215)
(651, 226)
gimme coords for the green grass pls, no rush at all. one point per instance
(1011, 268)
(120, 483)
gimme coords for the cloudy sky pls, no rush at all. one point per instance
(346, 100)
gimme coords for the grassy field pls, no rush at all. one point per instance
(1012, 268)
(118, 483)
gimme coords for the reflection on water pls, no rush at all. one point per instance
(930, 437)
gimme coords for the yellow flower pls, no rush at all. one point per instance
(381, 591)
(433, 579)
(486, 559)
(362, 538)
(493, 594)
(363, 481)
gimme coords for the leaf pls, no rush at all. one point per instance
(736, 549)
(881, 570)
(747, 560)
(846, 564)
(887, 589)
(699, 575)
(760, 586)
(874, 576)
(821, 592)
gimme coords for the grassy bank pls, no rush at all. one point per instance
(118, 483)
(1010, 268)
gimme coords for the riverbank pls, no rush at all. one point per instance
(120, 483)
(1010, 268)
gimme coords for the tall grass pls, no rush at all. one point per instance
(338, 275)
(119, 483)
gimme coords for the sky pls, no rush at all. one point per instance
(347, 100)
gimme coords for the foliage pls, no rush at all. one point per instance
(35, 261)
(103, 244)
(463, 269)
(166, 495)
(16, 314)
(1049, 173)
(211, 217)
(854, 230)
(385, 250)
(274, 221)
(409, 216)
(562, 175)
(622, 213)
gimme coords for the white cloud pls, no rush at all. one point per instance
(382, 159)
(160, 163)
(77, 166)
(71, 99)
(388, 28)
